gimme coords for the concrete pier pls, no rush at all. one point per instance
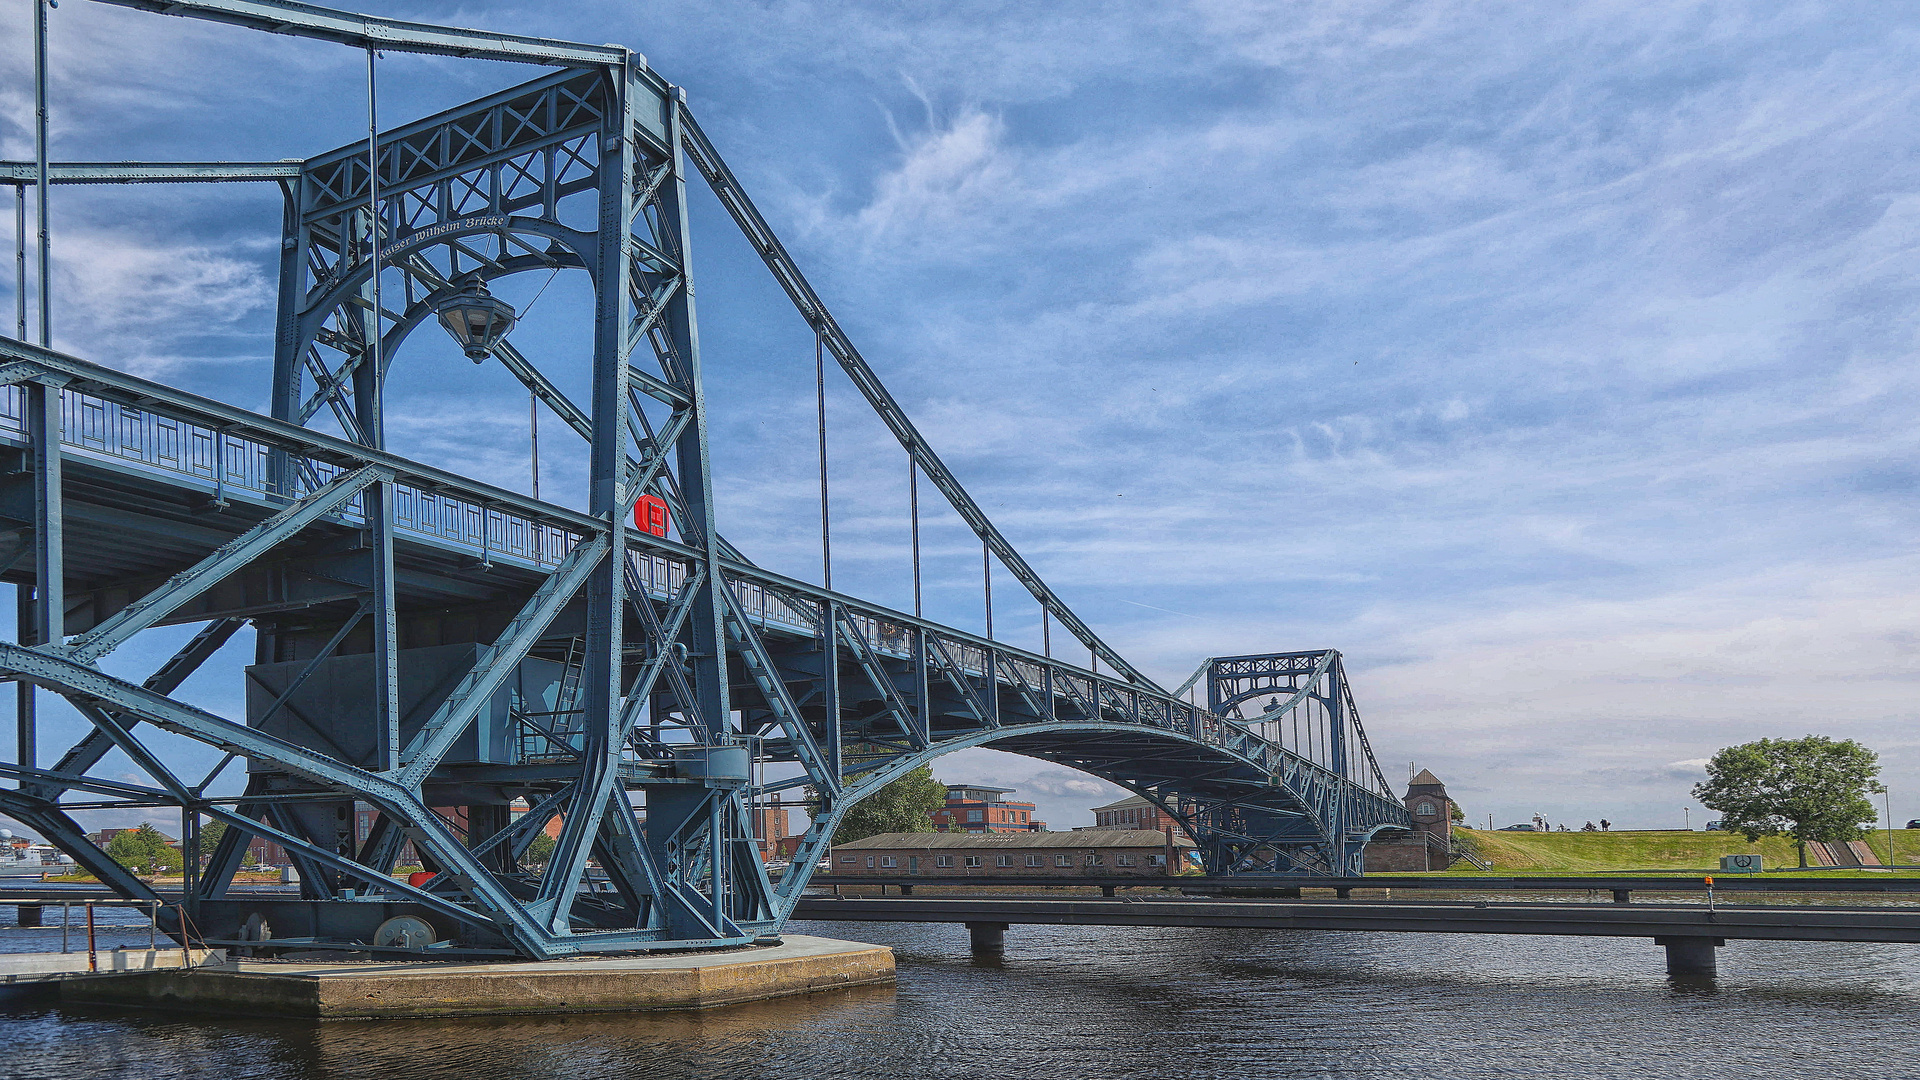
(659, 981)
(20, 969)
(1691, 955)
(988, 938)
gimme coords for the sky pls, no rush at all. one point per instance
(1552, 362)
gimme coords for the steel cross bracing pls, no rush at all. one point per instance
(443, 669)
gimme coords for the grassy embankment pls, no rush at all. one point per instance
(1669, 851)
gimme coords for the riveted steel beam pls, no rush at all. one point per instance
(390, 35)
(207, 573)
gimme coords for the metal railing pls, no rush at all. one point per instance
(226, 462)
(231, 463)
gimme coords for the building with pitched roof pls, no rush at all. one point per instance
(1081, 853)
(1137, 813)
(1429, 846)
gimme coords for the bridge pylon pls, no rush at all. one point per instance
(444, 670)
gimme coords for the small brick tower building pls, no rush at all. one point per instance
(1431, 809)
(1426, 847)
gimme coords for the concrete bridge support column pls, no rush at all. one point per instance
(1691, 955)
(29, 915)
(988, 938)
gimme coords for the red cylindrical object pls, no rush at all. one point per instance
(650, 515)
(421, 877)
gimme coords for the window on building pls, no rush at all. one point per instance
(976, 815)
(1425, 809)
(1092, 859)
(1034, 860)
(1123, 860)
(1156, 860)
(1003, 860)
(973, 860)
(1063, 860)
(943, 860)
(849, 860)
(888, 862)
(869, 862)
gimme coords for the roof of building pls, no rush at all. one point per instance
(1125, 804)
(1425, 779)
(1089, 838)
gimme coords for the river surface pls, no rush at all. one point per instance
(1084, 1003)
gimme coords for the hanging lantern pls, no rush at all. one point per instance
(477, 320)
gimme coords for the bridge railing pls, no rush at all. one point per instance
(1081, 691)
(115, 422)
(226, 463)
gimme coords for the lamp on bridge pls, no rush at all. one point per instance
(477, 319)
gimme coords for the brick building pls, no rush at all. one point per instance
(1138, 813)
(770, 830)
(974, 809)
(105, 836)
(1081, 853)
(1429, 845)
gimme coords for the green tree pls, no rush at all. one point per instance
(1456, 814)
(1814, 788)
(143, 850)
(210, 835)
(540, 852)
(906, 805)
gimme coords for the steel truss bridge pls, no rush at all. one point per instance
(443, 651)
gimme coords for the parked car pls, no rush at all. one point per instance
(1914, 824)
(1519, 828)
(1716, 826)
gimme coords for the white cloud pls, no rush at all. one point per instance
(149, 307)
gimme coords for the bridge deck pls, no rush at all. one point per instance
(1697, 882)
(1758, 922)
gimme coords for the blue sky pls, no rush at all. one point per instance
(1555, 363)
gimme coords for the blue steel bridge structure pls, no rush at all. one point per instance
(473, 663)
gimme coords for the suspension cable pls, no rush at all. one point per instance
(826, 519)
(913, 506)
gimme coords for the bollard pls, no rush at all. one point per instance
(93, 955)
(988, 938)
(29, 915)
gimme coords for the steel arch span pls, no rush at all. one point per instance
(445, 670)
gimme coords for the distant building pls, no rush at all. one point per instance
(770, 829)
(1137, 813)
(105, 836)
(1081, 853)
(267, 853)
(975, 809)
(1429, 845)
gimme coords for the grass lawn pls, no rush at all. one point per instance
(1675, 850)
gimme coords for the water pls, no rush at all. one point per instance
(1079, 1003)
